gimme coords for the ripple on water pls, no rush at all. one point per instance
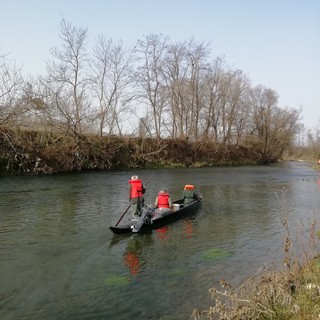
(57, 251)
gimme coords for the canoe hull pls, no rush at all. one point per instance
(158, 222)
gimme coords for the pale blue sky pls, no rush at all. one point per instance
(275, 42)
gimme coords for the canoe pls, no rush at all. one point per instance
(155, 218)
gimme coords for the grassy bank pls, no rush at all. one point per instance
(289, 292)
(270, 294)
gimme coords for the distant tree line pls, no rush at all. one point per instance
(156, 89)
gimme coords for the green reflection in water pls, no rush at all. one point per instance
(117, 281)
(214, 253)
(178, 272)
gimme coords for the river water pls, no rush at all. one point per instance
(59, 260)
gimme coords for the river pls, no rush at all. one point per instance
(59, 260)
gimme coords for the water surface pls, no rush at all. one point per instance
(60, 261)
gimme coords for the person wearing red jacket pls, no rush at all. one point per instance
(136, 198)
(163, 200)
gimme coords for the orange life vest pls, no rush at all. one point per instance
(136, 188)
(163, 200)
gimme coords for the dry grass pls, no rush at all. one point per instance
(269, 294)
(290, 293)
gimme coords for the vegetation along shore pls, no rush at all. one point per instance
(158, 103)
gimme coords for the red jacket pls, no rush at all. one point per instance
(163, 200)
(136, 189)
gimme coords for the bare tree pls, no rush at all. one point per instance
(151, 50)
(197, 57)
(311, 142)
(285, 126)
(274, 128)
(211, 112)
(67, 82)
(184, 69)
(243, 120)
(112, 82)
(234, 112)
(11, 90)
(175, 75)
(222, 91)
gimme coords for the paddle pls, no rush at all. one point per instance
(130, 203)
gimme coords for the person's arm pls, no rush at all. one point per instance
(156, 202)
(170, 202)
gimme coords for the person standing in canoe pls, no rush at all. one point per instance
(136, 198)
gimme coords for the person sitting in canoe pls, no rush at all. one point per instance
(163, 202)
(136, 198)
(189, 194)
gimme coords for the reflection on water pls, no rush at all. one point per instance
(162, 232)
(59, 260)
(134, 250)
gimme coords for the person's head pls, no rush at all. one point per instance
(163, 190)
(134, 178)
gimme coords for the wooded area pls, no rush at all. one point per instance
(92, 103)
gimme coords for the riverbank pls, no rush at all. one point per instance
(270, 294)
(32, 152)
(288, 293)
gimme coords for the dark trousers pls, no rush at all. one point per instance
(136, 205)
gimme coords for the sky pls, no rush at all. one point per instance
(276, 43)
